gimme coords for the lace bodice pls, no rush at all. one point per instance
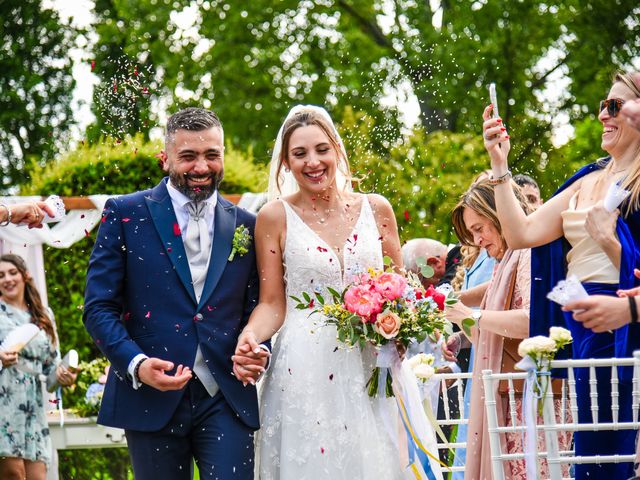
(311, 265)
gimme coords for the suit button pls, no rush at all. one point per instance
(198, 317)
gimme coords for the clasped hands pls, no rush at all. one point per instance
(250, 360)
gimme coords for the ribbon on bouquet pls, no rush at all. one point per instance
(533, 392)
(412, 414)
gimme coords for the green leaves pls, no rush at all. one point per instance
(425, 270)
(467, 323)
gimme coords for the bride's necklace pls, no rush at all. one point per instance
(321, 215)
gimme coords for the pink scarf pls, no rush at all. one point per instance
(489, 349)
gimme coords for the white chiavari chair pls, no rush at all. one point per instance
(452, 385)
(567, 419)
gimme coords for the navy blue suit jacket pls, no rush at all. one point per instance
(139, 299)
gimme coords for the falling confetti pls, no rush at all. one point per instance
(121, 98)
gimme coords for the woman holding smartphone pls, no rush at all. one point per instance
(603, 248)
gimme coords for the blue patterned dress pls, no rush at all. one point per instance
(24, 432)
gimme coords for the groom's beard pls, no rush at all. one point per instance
(198, 193)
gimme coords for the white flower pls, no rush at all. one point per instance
(423, 371)
(560, 335)
(537, 346)
(421, 358)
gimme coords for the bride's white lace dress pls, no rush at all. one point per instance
(317, 420)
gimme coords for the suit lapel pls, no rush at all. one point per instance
(164, 219)
(223, 231)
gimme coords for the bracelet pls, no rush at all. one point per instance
(501, 179)
(136, 370)
(8, 220)
(634, 309)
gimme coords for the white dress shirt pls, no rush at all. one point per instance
(179, 202)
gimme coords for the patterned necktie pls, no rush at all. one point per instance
(197, 245)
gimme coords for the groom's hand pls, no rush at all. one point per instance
(152, 373)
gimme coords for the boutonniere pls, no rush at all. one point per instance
(241, 241)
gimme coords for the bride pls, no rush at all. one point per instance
(317, 420)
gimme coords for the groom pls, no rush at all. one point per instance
(167, 294)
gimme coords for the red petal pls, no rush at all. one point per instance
(148, 315)
(176, 230)
(321, 249)
(406, 215)
(93, 65)
(125, 220)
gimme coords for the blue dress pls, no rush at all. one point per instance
(480, 272)
(548, 267)
(24, 432)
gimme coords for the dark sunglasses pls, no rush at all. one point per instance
(613, 106)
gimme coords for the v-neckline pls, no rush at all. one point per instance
(340, 258)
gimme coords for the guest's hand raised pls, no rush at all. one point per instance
(152, 373)
(29, 213)
(496, 141)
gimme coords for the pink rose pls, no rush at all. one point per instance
(387, 324)
(390, 285)
(363, 300)
(437, 297)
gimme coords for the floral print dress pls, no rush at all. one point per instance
(24, 432)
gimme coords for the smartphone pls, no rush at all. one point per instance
(494, 99)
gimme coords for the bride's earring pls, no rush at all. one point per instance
(287, 169)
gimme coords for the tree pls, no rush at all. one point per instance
(251, 61)
(35, 87)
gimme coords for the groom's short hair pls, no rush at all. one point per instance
(193, 119)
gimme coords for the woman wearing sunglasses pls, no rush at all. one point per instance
(575, 235)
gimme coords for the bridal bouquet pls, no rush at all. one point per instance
(383, 307)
